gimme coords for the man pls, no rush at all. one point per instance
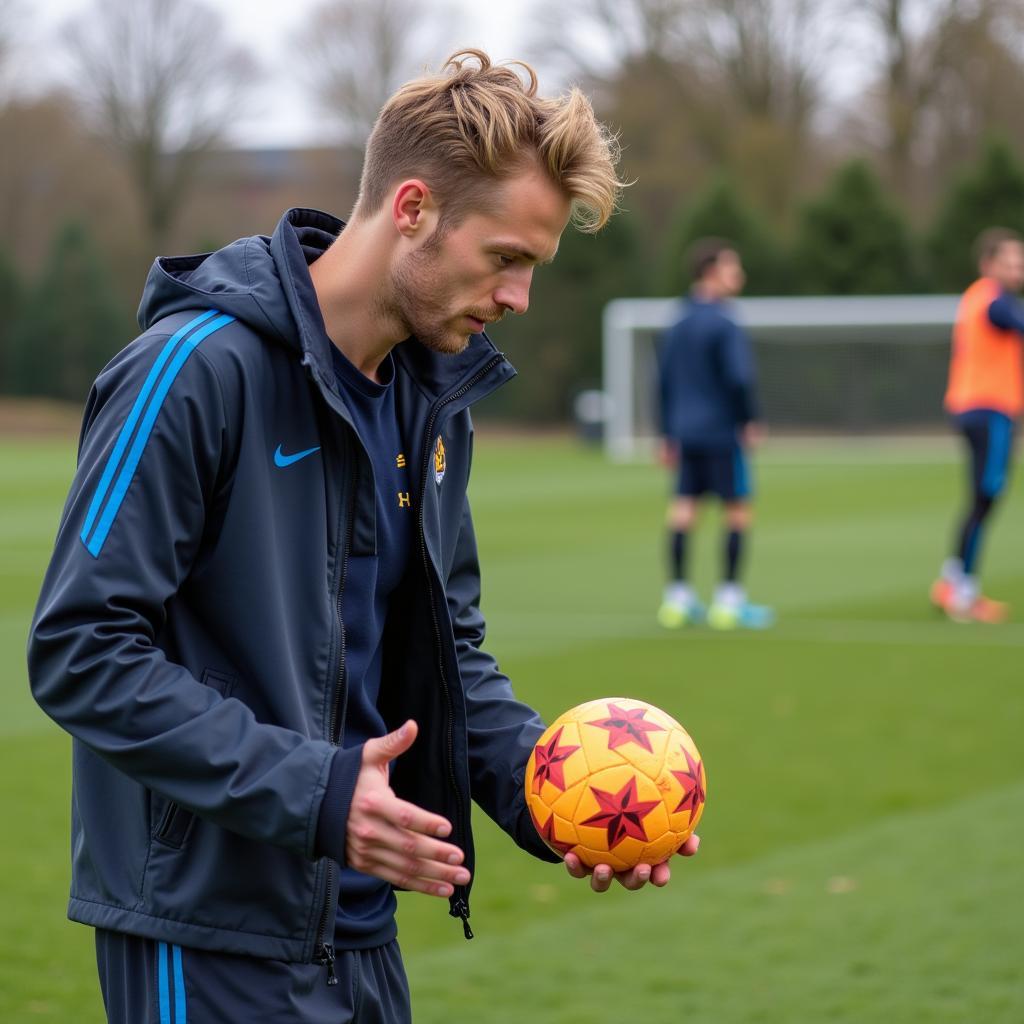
(984, 397)
(709, 419)
(265, 587)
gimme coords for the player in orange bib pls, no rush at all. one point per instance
(985, 396)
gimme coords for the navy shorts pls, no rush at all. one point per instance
(720, 471)
(149, 982)
(989, 436)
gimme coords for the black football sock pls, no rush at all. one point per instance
(677, 556)
(733, 551)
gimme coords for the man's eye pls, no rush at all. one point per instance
(503, 260)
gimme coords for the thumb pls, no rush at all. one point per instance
(380, 751)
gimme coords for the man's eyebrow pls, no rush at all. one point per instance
(526, 254)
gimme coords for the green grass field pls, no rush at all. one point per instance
(861, 856)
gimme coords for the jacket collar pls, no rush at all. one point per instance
(300, 238)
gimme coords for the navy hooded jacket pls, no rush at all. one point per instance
(189, 632)
(706, 376)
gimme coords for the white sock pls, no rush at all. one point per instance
(967, 591)
(952, 570)
(679, 594)
(732, 595)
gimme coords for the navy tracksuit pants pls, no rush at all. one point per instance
(149, 982)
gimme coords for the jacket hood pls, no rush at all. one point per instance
(255, 280)
(243, 279)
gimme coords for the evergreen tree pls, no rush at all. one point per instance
(557, 346)
(988, 195)
(72, 322)
(10, 311)
(720, 212)
(852, 240)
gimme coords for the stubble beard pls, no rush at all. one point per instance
(413, 297)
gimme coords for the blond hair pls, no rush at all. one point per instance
(476, 124)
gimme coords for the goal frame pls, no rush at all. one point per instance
(623, 318)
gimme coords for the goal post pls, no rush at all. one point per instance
(826, 364)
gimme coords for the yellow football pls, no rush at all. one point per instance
(616, 781)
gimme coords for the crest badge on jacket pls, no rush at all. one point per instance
(440, 463)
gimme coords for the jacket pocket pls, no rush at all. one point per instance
(176, 822)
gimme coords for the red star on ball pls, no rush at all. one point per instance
(622, 813)
(693, 785)
(549, 762)
(626, 724)
(547, 833)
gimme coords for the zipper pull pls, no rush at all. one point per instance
(461, 910)
(327, 957)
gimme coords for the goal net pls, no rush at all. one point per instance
(831, 365)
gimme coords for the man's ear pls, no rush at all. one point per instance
(413, 210)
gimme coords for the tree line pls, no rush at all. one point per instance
(732, 115)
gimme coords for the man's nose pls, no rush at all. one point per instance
(514, 294)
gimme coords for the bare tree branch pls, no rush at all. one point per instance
(946, 72)
(359, 51)
(160, 79)
(593, 39)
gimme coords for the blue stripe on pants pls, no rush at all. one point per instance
(143, 983)
(997, 455)
(162, 987)
(741, 480)
(180, 1014)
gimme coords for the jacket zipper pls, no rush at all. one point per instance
(459, 906)
(323, 952)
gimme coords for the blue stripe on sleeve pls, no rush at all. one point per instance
(129, 424)
(95, 545)
(165, 995)
(180, 1015)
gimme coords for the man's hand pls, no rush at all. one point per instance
(636, 878)
(754, 434)
(668, 453)
(393, 839)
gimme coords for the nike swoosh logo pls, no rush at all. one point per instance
(281, 460)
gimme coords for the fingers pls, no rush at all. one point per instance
(600, 877)
(395, 840)
(636, 878)
(385, 820)
(419, 875)
(575, 866)
(404, 858)
(660, 874)
(690, 847)
(384, 805)
(379, 751)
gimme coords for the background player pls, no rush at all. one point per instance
(985, 396)
(709, 419)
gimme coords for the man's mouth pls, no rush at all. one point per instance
(477, 323)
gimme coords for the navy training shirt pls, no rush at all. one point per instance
(366, 905)
(365, 916)
(706, 368)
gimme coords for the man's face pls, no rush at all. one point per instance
(448, 289)
(1007, 266)
(729, 274)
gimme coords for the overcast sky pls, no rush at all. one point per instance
(282, 113)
